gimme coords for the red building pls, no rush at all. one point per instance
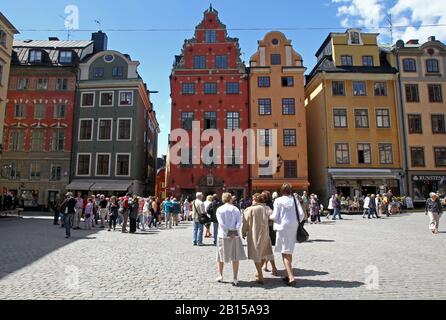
(39, 119)
(160, 188)
(209, 84)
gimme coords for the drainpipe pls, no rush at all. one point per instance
(403, 136)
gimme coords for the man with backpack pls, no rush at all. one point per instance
(198, 211)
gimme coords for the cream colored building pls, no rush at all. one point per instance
(7, 32)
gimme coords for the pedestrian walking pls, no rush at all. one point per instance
(330, 206)
(372, 207)
(212, 212)
(207, 203)
(287, 211)
(365, 207)
(113, 213)
(176, 209)
(434, 210)
(186, 210)
(133, 213)
(167, 209)
(78, 211)
(55, 206)
(68, 208)
(229, 243)
(125, 212)
(337, 207)
(256, 230)
(89, 215)
(198, 211)
(103, 212)
(269, 202)
(314, 208)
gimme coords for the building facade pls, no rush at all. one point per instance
(422, 80)
(39, 118)
(277, 97)
(7, 32)
(352, 120)
(209, 85)
(115, 128)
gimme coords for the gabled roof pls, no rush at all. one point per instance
(8, 24)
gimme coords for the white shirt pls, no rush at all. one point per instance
(186, 207)
(229, 217)
(284, 213)
(366, 202)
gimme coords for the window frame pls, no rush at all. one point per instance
(54, 145)
(347, 152)
(200, 59)
(56, 109)
(412, 149)
(99, 129)
(38, 170)
(55, 165)
(82, 99)
(346, 60)
(218, 61)
(440, 116)
(337, 83)
(339, 116)
(286, 168)
(39, 84)
(354, 84)
(43, 116)
(212, 120)
(23, 108)
(210, 36)
(89, 164)
(433, 97)
(380, 89)
(117, 129)
(116, 164)
(264, 106)
(112, 99)
(231, 86)
(429, 67)
(410, 118)
(441, 149)
(119, 72)
(263, 84)
(26, 82)
(273, 59)
(80, 127)
(61, 52)
(64, 86)
(266, 134)
(42, 140)
(411, 92)
(287, 84)
(120, 100)
(188, 85)
(369, 59)
(291, 142)
(210, 85)
(232, 120)
(361, 126)
(380, 150)
(98, 75)
(183, 119)
(109, 164)
(364, 155)
(32, 59)
(377, 116)
(288, 106)
(405, 69)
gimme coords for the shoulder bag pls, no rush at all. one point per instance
(202, 217)
(302, 234)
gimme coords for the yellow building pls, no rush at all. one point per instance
(352, 118)
(422, 70)
(277, 103)
(7, 32)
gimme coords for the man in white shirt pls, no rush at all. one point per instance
(366, 206)
(197, 210)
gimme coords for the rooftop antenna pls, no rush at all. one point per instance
(98, 22)
(65, 25)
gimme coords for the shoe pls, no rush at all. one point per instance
(66, 237)
(219, 279)
(286, 279)
(195, 244)
(200, 244)
(275, 273)
(235, 283)
(291, 283)
(109, 230)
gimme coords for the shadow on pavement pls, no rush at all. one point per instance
(319, 240)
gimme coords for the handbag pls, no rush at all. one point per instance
(202, 217)
(302, 234)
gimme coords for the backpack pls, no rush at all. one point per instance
(126, 203)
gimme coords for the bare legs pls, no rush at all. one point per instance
(235, 267)
(259, 274)
(273, 267)
(287, 261)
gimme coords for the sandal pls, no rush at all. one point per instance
(275, 273)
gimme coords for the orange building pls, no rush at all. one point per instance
(277, 110)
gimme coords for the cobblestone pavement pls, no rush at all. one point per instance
(390, 258)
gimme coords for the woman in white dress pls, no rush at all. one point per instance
(285, 223)
(229, 243)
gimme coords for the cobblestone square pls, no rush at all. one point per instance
(389, 258)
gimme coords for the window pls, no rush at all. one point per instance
(287, 81)
(118, 72)
(87, 99)
(35, 56)
(367, 61)
(276, 59)
(15, 171)
(37, 139)
(83, 164)
(186, 157)
(23, 84)
(200, 62)
(435, 94)
(432, 66)
(17, 140)
(210, 88)
(98, 72)
(232, 120)
(440, 156)
(210, 36)
(210, 120)
(102, 164)
(264, 107)
(34, 171)
(290, 169)
(123, 164)
(232, 88)
(263, 82)
(354, 38)
(42, 84)
(409, 65)
(39, 111)
(364, 153)
(264, 168)
(57, 139)
(417, 155)
(56, 172)
(415, 123)
(3, 38)
(340, 118)
(359, 88)
(106, 99)
(65, 57)
(125, 98)
(265, 137)
(20, 110)
(438, 123)
(338, 88)
(186, 120)
(105, 129)
(412, 94)
(382, 118)
(124, 129)
(361, 118)
(380, 89)
(233, 157)
(221, 62)
(59, 111)
(342, 153)
(346, 60)
(289, 137)
(188, 88)
(288, 106)
(86, 129)
(385, 153)
(62, 84)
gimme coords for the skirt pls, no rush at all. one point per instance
(286, 240)
(230, 250)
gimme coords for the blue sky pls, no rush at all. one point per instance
(156, 50)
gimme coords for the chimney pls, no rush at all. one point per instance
(431, 38)
(413, 41)
(100, 41)
(53, 38)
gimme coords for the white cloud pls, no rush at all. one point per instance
(407, 16)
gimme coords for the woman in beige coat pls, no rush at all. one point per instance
(256, 229)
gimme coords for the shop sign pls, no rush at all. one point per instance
(428, 178)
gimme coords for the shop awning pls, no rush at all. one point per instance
(276, 184)
(79, 185)
(122, 185)
(364, 174)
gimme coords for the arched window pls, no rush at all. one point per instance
(432, 66)
(409, 65)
